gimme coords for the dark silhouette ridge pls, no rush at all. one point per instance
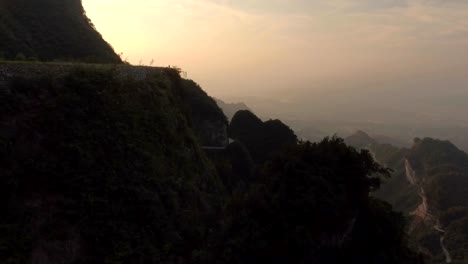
(49, 30)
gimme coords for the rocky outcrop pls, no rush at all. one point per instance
(423, 212)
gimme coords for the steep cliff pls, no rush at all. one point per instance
(230, 109)
(50, 30)
(262, 139)
(429, 185)
(100, 168)
(208, 121)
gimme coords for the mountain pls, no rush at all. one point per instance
(429, 185)
(207, 119)
(230, 109)
(440, 171)
(260, 138)
(306, 202)
(360, 139)
(97, 167)
(49, 30)
(112, 163)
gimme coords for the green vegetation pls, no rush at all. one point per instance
(207, 119)
(310, 204)
(396, 190)
(445, 171)
(261, 138)
(95, 169)
(442, 171)
(101, 168)
(49, 30)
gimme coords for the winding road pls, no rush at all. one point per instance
(423, 212)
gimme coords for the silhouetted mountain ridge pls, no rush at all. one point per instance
(360, 139)
(230, 109)
(50, 30)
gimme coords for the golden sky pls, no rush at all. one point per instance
(233, 47)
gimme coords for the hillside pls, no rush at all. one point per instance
(441, 171)
(100, 169)
(208, 120)
(108, 163)
(50, 30)
(261, 138)
(360, 139)
(303, 202)
(429, 184)
(230, 109)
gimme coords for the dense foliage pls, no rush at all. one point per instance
(396, 190)
(262, 139)
(441, 169)
(445, 171)
(50, 30)
(207, 119)
(96, 169)
(310, 204)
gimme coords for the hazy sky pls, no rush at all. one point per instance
(239, 47)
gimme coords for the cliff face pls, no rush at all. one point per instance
(96, 167)
(262, 139)
(430, 185)
(230, 109)
(208, 120)
(50, 30)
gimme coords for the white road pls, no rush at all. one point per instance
(423, 212)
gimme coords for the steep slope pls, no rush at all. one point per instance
(396, 190)
(360, 139)
(310, 204)
(230, 109)
(261, 138)
(50, 30)
(430, 183)
(208, 120)
(99, 168)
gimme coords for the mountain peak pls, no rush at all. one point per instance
(48, 30)
(360, 139)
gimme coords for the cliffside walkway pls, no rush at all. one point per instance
(12, 69)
